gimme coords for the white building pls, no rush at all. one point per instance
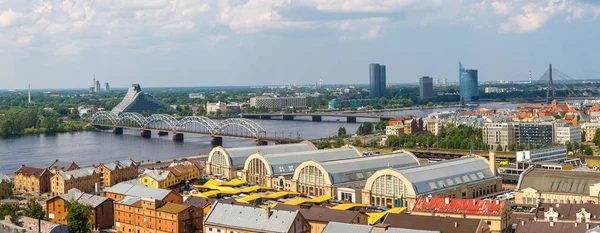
(279, 102)
(566, 132)
(213, 107)
(499, 135)
(196, 96)
(395, 130)
(555, 154)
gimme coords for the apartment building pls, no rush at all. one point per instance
(146, 214)
(566, 133)
(85, 179)
(172, 177)
(227, 218)
(279, 102)
(32, 180)
(101, 212)
(499, 135)
(118, 171)
(62, 166)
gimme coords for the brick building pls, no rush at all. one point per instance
(32, 180)
(85, 179)
(118, 171)
(101, 212)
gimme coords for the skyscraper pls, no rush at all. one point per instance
(377, 80)
(106, 87)
(97, 86)
(468, 83)
(426, 87)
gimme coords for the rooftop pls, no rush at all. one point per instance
(136, 190)
(336, 227)
(559, 181)
(83, 198)
(29, 171)
(250, 218)
(459, 206)
(287, 162)
(239, 155)
(430, 177)
(60, 165)
(173, 208)
(557, 227)
(78, 173)
(321, 214)
(441, 224)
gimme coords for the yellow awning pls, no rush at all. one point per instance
(278, 195)
(397, 210)
(210, 193)
(375, 217)
(320, 199)
(234, 182)
(347, 206)
(250, 198)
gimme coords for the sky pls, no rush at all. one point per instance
(180, 43)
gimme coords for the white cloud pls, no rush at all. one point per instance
(348, 6)
(533, 17)
(11, 18)
(69, 49)
(24, 40)
(502, 7)
(372, 33)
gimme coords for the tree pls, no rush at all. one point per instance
(339, 142)
(5, 189)
(597, 137)
(587, 150)
(78, 219)
(50, 123)
(380, 126)
(575, 146)
(342, 132)
(499, 148)
(365, 128)
(34, 209)
(9, 210)
(569, 146)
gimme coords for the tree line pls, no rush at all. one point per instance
(19, 121)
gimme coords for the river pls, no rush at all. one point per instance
(94, 147)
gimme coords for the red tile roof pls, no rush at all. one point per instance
(459, 206)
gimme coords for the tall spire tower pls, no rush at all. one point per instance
(29, 94)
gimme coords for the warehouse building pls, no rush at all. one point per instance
(275, 170)
(228, 162)
(345, 178)
(466, 177)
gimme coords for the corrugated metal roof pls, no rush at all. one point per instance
(119, 164)
(239, 155)
(250, 218)
(58, 164)
(135, 190)
(559, 181)
(355, 169)
(157, 175)
(78, 173)
(287, 162)
(429, 177)
(83, 198)
(337, 227)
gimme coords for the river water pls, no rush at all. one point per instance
(87, 148)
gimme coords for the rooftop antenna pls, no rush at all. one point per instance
(29, 94)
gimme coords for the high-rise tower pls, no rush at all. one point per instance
(29, 94)
(468, 83)
(377, 80)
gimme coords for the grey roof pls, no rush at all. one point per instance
(434, 176)
(287, 162)
(336, 227)
(250, 218)
(83, 198)
(559, 181)
(137, 190)
(239, 155)
(78, 173)
(58, 164)
(4, 177)
(120, 164)
(129, 200)
(157, 175)
(340, 171)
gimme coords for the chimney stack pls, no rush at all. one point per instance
(474, 202)
(497, 202)
(455, 224)
(587, 226)
(551, 223)
(447, 200)
(427, 199)
(522, 223)
(492, 158)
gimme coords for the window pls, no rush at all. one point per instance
(359, 175)
(350, 177)
(218, 230)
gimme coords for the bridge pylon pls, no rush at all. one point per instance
(216, 141)
(146, 133)
(118, 130)
(178, 137)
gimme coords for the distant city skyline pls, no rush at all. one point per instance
(161, 43)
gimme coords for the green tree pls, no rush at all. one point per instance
(339, 142)
(50, 123)
(365, 128)
(499, 148)
(597, 137)
(6, 188)
(380, 126)
(342, 131)
(587, 150)
(78, 218)
(324, 144)
(33, 209)
(9, 210)
(576, 146)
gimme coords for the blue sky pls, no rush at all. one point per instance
(61, 44)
